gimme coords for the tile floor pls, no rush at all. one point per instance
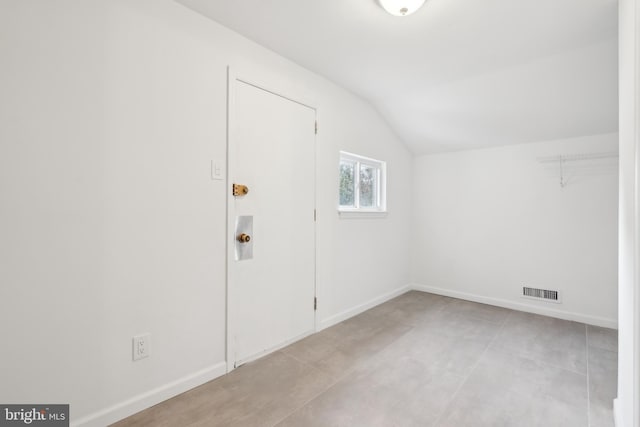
(417, 360)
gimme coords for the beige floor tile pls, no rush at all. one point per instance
(602, 337)
(603, 374)
(418, 360)
(510, 390)
(557, 342)
(478, 311)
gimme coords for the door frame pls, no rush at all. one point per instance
(234, 78)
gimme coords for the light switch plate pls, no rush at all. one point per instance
(218, 172)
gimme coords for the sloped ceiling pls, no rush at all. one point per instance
(457, 74)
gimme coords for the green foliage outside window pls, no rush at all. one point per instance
(347, 184)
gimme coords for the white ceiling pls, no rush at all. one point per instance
(457, 74)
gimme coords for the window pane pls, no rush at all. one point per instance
(347, 183)
(368, 186)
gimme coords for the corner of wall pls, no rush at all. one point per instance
(354, 311)
(528, 308)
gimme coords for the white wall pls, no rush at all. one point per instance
(486, 222)
(110, 225)
(627, 405)
(361, 257)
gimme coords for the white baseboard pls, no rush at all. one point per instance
(521, 306)
(152, 397)
(354, 311)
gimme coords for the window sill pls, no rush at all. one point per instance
(361, 214)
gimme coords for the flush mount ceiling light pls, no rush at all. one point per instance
(401, 7)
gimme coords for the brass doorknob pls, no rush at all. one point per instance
(244, 238)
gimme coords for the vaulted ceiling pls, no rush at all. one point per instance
(457, 74)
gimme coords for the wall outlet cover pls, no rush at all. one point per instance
(141, 346)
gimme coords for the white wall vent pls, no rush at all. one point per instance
(542, 294)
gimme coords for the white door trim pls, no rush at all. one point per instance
(232, 79)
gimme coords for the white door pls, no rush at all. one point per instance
(272, 152)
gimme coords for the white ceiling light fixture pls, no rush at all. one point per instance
(401, 7)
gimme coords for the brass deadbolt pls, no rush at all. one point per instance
(244, 238)
(240, 190)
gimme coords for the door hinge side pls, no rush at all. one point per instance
(315, 215)
(315, 303)
(316, 128)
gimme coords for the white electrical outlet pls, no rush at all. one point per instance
(141, 346)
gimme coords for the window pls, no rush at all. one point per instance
(362, 184)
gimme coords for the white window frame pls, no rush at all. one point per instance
(381, 197)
